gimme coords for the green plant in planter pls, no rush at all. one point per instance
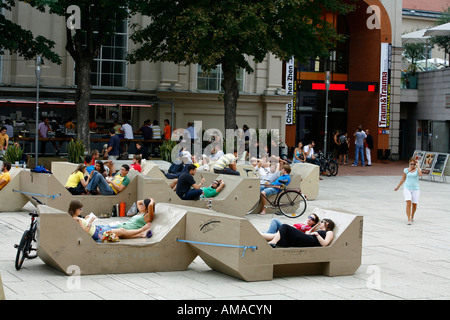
(166, 150)
(75, 151)
(13, 154)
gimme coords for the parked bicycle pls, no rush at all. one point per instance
(27, 248)
(290, 202)
(327, 165)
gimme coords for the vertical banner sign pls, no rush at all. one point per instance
(290, 90)
(385, 86)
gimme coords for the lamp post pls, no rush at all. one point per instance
(327, 88)
(38, 77)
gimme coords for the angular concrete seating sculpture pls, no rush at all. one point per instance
(341, 257)
(310, 178)
(236, 199)
(63, 244)
(49, 190)
(11, 201)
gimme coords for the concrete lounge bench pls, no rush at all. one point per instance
(236, 199)
(341, 257)
(49, 190)
(63, 243)
(11, 201)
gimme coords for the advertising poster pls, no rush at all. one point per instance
(290, 90)
(428, 163)
(439, 164)
(385, 86)
(419, 156)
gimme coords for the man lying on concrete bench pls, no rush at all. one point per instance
(288, 236)
(114, 186)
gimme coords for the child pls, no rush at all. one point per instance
(136, 163)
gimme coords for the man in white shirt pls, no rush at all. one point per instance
(127, 130)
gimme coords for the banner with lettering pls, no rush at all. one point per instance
(385, 86)
(290, 112)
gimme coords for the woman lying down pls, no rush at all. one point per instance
(105, 232)
(288, 236)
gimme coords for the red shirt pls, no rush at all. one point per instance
(136, 166)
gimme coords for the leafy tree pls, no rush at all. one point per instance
(443, 41)
(225, 32)
(99, 20)
(15, 39)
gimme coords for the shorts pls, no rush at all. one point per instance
(270, 191)
(411, 195)
(99, 230)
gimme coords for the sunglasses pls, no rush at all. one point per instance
(312, 218)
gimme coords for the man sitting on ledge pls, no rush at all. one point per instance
(116, 185)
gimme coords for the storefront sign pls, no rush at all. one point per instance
(385, 86)
(290, 106)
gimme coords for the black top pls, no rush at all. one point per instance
(292, 237)
(185, 181)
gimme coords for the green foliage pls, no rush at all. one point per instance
(19, 41)
(206, 32)
(75, 151)
(442, 41)
(13, 153)
(413, 52)
(228, 32)
(166, 150)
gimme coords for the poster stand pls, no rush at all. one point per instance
(432, 164)
(439, 165)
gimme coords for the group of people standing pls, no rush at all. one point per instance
(363, 146)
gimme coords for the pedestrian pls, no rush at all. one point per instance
(359, 135)
(113, 150)
(411, 190)
(368, 144)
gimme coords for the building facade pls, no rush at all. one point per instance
(184, 93)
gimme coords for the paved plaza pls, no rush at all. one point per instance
(399, 261)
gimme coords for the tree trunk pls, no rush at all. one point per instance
(82, 99)
(231, 93)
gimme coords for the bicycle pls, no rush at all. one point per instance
(28, 241)
(290, 202)
(330, 166)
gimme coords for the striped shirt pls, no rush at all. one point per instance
(156, 132)
(224, 161)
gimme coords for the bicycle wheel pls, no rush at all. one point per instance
(22, 249)
(335, 165)
(292, 204)
(253, 209)
(332, 168)
(32, 244)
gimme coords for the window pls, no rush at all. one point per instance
(212, 81)
(109, 69)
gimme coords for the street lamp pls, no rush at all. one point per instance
(38, 77)
(327, 88)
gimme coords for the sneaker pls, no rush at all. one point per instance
(354, 165)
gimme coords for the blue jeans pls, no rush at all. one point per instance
(100, 182)
(359, 149)
(192, 194)
(275, 225)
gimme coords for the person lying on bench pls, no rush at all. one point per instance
(187, 189)
(312, 223)
(146, 212)
(5, 177)
(214, 189)
(274, 187)
(116, 185)
(289, 236)
(96, 231)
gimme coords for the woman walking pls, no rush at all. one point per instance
(411, 190)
